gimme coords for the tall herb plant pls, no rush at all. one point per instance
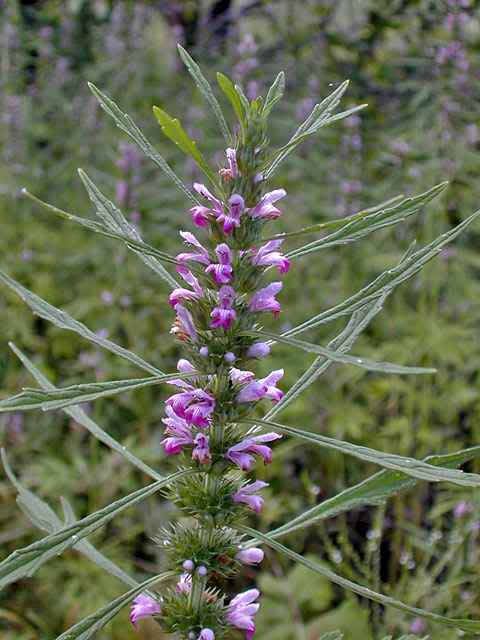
(210, 420)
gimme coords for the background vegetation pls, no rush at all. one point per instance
(416, 64)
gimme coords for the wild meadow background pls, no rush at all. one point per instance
(416, 63)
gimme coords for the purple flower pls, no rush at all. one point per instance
(418, 626)
(201, 451)
(242, 453)
(201, 215)
(201, 255)
(121, 192)
(206, 634)
(180, 294)
(265, 208)
(185, 323)
(268, 255)
(224, 315)
(264, 299)
(258, 350)
(262, 388)
(462, 509)
(246, 495)
(242, 610)
(179, 433)
(222, 271)
(193, 405)
(143, 607)
(185, 366)
(250, 556)
(237, 376)
(230, 220)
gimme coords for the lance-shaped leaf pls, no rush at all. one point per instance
(470, 626)
(342, 343)
(43, 517)
(114, 220)
(375, 490)
(92, 624)
(403, 464)
(274, 94)
(126, 124)
(362, 224)
(174, 130)
(336, 356)
(148, 254)
(83, 419)
(62, 320)
(48, 400)
(234, 97)
(24, 562)
(386, 281)
(319, 117)
(205, 89)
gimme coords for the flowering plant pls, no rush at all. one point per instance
(210, 421)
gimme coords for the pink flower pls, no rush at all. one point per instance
(262, 388)
(268, 255)
(222, 271)
(180, 294)
(184, 585)
(224, 315)
(242, 610)
(265, 208)
(201, 451)
(143, 607)
(250, 556)
(246, 495)
(242, 453)
(193, 405)
(206, 634)
(217, 207)
(179, 433)
(264, 299)
(200, 215)
(258, 350)
(200, 255)
(185, 322)
(230, 220)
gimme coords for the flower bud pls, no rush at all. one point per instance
(250, 556)
(188, 566)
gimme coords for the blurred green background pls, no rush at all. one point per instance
(416, 64)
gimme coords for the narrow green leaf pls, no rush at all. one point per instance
(470, 626)
(62, 320)
(386, 281)
(375, 490)
(228, 88)
(126, 124)
(114, 220)
(362, 224)
(205, 89)
(274, 94)
(148, 254)
(335, 356)
(83, 419)
(47, 400)
(403, 464)
(24, 562)
(92, 624)
(174, 130)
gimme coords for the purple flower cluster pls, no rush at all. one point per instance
(221, 297)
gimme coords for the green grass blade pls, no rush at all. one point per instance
(386, 281)
(63, 320)
(48, 400)
(206, 90)
(409, 466)
(24, 562)
(83, 419)
(128, 126)
(148, 254)
(89, 626)
(470, 626)
(362, 224)
(336, 356)
(114, 219)
(375, 490)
